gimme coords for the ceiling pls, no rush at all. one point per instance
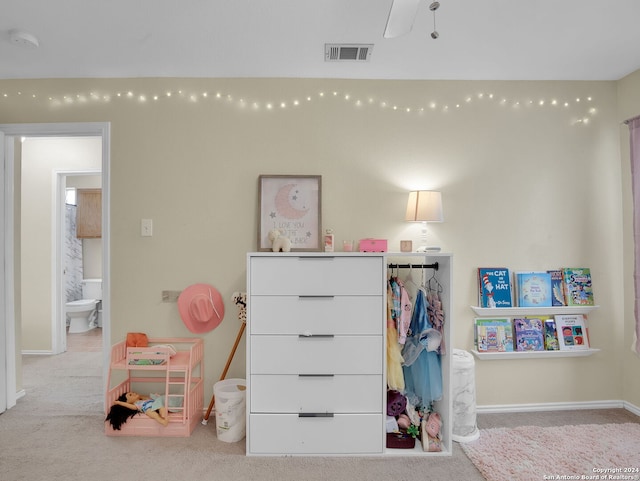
(479, 39)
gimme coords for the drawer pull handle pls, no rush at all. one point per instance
(315, 415)
(316, 297)
(316, 258)
(316, 375)
(316, 336)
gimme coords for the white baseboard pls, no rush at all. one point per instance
(632, 408)
(21, 393)
(37, 353)
(564, 406)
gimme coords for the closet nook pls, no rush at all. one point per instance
(317, 367)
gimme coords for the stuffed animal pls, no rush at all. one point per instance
(396, 403)
(279, 243)
(431, 437)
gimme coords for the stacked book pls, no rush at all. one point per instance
(568, 286)
(561, 332)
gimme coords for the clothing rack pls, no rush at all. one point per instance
(413, 266)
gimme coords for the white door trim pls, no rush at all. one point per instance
(59, 333)
(102, 129)
(7, 396)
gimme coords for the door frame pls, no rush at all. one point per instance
(58, 328)
(8, 321)
(6, 328)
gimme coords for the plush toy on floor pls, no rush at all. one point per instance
(279, 243)
(431, 428)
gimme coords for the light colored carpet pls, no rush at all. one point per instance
(56, 432)
(590, 451)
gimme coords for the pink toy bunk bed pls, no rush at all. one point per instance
(154, 369)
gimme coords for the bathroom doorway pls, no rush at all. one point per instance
(79, 257)
(12, 323)
(46, 163)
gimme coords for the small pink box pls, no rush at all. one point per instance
(373, 245)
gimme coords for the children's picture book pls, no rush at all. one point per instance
(533, 289)
(529, 334)
(572, 331)
(557, 288)
(550, 335)
(494, 335)
(494, 287)
(578, 288)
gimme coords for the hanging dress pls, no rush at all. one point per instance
(436, 316)
(422, 367)
(395, 375)
(404, 319)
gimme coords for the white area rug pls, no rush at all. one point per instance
(527, 453)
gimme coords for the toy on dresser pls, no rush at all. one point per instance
(279, 243)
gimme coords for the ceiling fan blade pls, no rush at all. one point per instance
(401, 17)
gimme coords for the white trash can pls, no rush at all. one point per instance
(231, 405)
(464, 428)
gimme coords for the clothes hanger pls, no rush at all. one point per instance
(391, 273)
(423, 282)
(437, 288)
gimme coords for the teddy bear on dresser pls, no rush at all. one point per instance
(279, 243)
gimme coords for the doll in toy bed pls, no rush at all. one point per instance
(131, 403)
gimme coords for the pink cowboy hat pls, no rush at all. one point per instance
(201, 308)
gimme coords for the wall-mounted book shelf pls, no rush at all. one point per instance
(531, 311)
(493, 356)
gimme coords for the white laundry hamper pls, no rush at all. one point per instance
(231, 405)
(464, 428)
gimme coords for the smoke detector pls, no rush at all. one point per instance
(23, 39)
(350, 52)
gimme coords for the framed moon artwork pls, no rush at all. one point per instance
(291, 204)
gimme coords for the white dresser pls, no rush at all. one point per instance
(316, 380)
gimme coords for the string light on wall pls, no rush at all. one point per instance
(419, 108)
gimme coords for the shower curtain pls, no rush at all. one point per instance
(73, 257)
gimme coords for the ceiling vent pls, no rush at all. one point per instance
(352, 52)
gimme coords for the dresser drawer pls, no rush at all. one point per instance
(316, 355)
(291, 434)
(316, 315)
(296, 394)
(317, 275)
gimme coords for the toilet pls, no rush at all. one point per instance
(83, 313)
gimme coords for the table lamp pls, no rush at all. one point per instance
(424, 206)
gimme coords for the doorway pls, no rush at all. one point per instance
(10, 323)
(78, 256)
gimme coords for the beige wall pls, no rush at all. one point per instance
(524, 185)
(42, 158)
(628, 107)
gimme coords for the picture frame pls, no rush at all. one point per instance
(293, 205)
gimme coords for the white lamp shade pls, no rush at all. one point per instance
(424, 206)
